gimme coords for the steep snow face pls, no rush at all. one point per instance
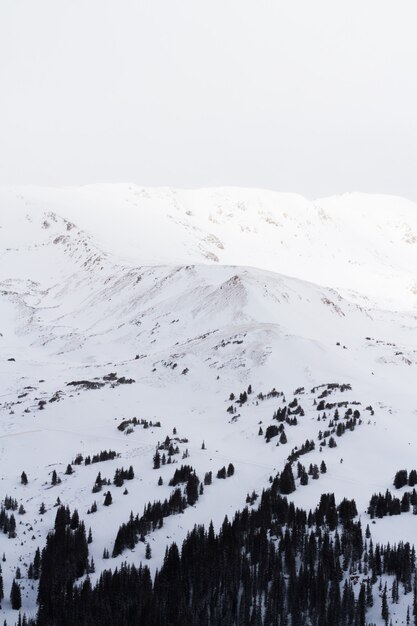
(363, 245)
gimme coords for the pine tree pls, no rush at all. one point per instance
(75, 520)
(108, 499)
(12, 527)
(384, 607)
(148, 552)
(221, 473)
(157, 460)
(24, 478)
(400, 479)
(15, 596)
(412, 478)
(36, 564)
(191, 489)
(286, 481)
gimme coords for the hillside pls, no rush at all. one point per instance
(119, 302)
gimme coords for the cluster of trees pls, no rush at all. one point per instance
(270, 566)
(181, 475)
(121, 475)
(138, 422)
(99, 483)
(271, 394)
(308, 446)
(10, 503)
(273, 431)
(338, 428)
(103, 455)
(137, 527)
(35, 566)
(251, 497)
(313, 471)
(283, 414)
(243, 396)
(330, 387)
(403, 478)
(63, 560)
(159, 459)
(169, 447)
(7, 523)
(153, 516)
(381, 505)
(223, 473)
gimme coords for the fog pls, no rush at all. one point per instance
(312, 97)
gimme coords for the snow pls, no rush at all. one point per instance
(212, 290)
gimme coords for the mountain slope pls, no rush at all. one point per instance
(118, 302)
(356, 243)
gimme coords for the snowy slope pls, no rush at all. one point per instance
(194, 295)
(356, 242)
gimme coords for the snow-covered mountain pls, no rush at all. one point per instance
(119, 302)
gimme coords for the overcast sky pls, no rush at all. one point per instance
(313, 96)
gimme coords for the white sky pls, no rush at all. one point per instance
(313, 96)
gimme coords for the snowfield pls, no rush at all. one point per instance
(167, 302)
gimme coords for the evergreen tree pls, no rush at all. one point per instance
(384, 608)
(208, 478)
(412, 478)
(191, 489)
(221, 473)
(75, 520)
(24, 478)
(400, 479)
(157, 460)
(15, 596)
(286, 481)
